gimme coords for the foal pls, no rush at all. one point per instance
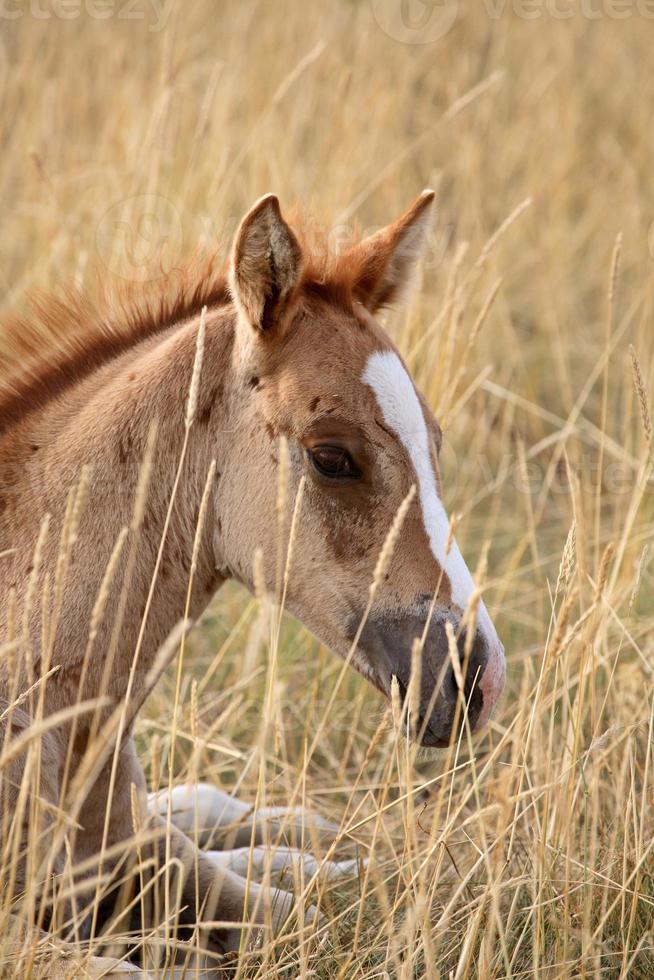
(291, 348)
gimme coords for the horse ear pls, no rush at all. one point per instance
(387, 260)
(266, 265)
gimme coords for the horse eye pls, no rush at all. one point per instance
(334, 463)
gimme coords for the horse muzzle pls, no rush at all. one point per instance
(387, 641)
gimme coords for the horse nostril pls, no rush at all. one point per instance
(450, 683)
(472, 659)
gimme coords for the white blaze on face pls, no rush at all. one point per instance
(402, 412)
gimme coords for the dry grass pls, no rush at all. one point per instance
(528, 853)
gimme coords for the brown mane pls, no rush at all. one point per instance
(67, 335)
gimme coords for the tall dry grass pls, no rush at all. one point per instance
(529, 852)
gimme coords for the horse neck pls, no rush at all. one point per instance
(105, 422)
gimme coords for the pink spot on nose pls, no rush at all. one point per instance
(492, 682)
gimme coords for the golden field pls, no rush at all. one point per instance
(133, 132)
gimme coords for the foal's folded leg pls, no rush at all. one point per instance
(284, 864)
(224, 897)
(217, 820)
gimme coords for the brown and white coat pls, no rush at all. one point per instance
(293, 349)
